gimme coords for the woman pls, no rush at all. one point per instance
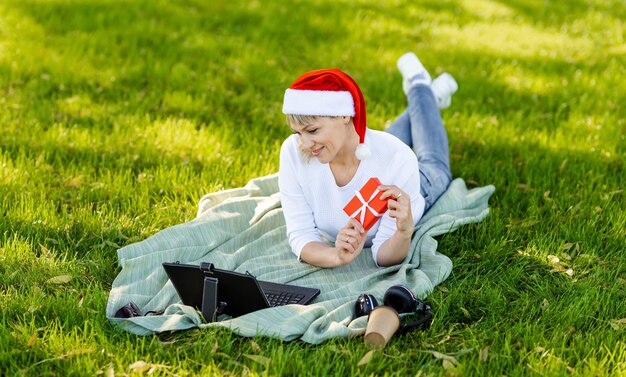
(333, 154)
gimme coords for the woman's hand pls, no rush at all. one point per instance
(399, 207)
(395, 249)
(350, 241)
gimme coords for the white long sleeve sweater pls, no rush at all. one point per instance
(313, 203)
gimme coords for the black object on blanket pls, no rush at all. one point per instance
(131, 310)
(216, 291)
(402, 300)
(128, 311)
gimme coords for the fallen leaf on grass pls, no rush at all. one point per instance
(445, 339)
(483, 354)
(553, 259)
(265, 361)
(465, 312)
(447, 364)
(32, 340)
(61, 279)
(618, 324)
(76, 181)
(569, 245)
(139, 366)
(255, 346)
(97, 185)
(222, 354)
(110, 372)
(562, 166)
(33, 308)
(45, 252)
(569, 272)
(367, 358)
(40, 160)
(529, 223)
(76, 352)
(111, 243)
(145, 177)
(442, 356)
(52, 240)
(341, 350)
(148, 368)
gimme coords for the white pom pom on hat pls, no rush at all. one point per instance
(329, 92)
(363, 151)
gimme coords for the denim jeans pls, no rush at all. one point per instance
(421, 128)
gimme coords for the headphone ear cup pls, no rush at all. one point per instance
(364, 305)
(400, 298)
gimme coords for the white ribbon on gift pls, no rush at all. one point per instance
(365, 206)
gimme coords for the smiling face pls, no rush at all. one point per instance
(326, 138)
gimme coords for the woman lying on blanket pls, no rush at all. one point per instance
(333, 154)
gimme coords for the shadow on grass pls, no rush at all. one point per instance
(504, 267)
(565, 186)
(173, 48)
(170, 53)
(512, 289)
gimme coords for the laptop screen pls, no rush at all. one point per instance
(240, 292)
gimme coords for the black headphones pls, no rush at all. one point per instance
(402, 300)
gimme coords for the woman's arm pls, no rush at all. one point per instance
(298, 213)
(348, 245)
(320, 255)
(396, 248)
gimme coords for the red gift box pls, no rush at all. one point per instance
(366, 205)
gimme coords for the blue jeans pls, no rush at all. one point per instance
(421, 128)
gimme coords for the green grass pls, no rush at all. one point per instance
(117, 116)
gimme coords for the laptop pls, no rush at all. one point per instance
(238, 293)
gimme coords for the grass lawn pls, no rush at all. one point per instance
(117, 116)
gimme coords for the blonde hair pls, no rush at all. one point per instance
(303, 120)
(300, 120)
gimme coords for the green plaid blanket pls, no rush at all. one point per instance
(243, 229)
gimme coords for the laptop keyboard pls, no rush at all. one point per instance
(283, 298)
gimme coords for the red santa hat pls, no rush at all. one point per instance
(329, 92)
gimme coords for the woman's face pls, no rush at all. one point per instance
(326, 138)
